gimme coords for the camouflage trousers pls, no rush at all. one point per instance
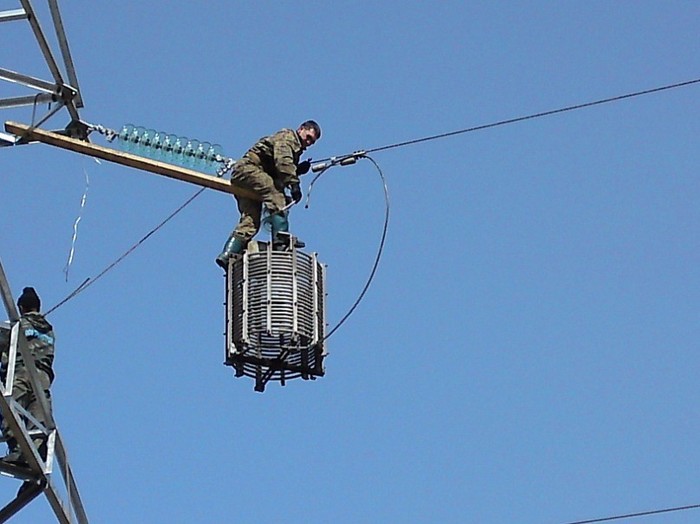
(251, 176)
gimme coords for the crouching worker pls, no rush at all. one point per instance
(267, 168)
(40, 339)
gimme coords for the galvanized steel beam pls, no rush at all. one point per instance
(48, 55)
(13, 14)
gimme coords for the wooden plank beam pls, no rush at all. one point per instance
(127, 159)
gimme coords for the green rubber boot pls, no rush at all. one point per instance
(282, 239)
(233, 246)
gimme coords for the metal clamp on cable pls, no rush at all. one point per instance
(345, 160)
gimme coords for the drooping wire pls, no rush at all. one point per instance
(88, 281)
(74, 238)
(380, 250)
(530, 117)
(633, 515)
(313, 181)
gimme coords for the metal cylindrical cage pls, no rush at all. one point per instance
(275, 316)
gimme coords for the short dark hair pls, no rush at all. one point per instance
(311, 124)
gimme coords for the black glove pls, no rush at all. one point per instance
(296, 192)
(304, 167)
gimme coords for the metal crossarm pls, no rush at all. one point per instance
(63, 90)
(28, 81)
(12, 15)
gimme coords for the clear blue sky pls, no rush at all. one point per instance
(528, 351)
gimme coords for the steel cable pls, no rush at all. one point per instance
(527, 117)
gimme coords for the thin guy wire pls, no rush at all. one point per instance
(632, 515)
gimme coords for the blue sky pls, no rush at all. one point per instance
(528, 349)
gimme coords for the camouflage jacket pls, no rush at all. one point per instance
(40, 339)
(278, 155)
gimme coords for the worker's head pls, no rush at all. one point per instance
(309, 132)
(28, 301)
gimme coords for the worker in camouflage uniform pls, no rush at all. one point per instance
(267, 168)
(40, 340)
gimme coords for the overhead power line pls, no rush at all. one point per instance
(530, 117)
(633, 515)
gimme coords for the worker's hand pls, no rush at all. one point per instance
(304, 167)
(295, 189)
